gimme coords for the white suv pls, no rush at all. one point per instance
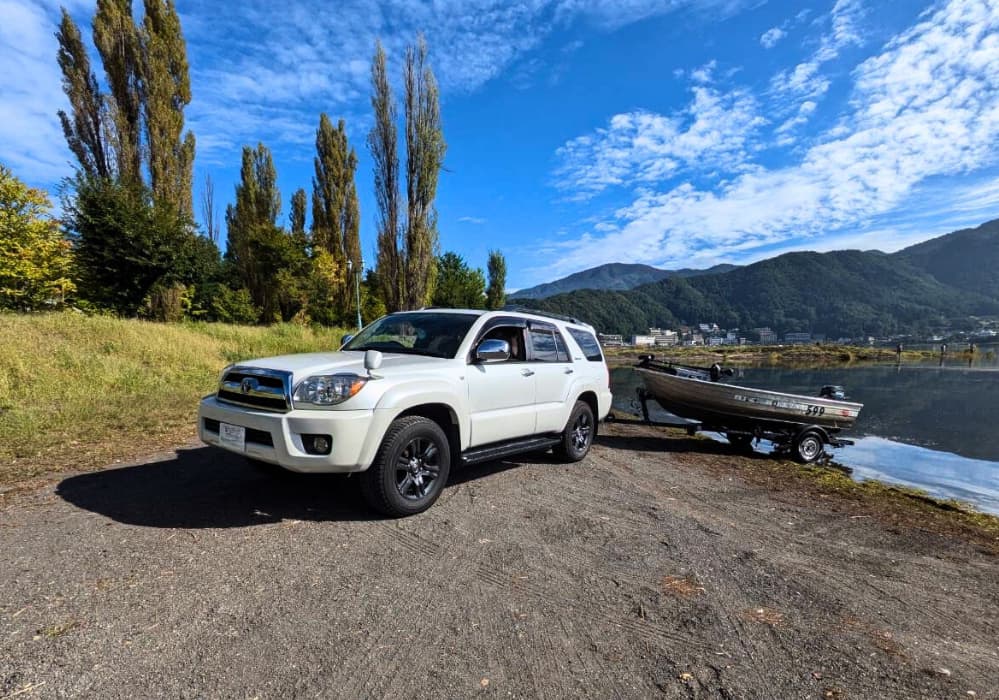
(414, 394)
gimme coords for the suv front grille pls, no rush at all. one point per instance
(268, 389)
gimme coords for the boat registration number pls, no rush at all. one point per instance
(807, 409)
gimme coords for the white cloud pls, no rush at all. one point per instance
(715, 130)
(475, 220)
(770, 37)
(31, 141)
(926, 106)
(805, 79)
(704, 74)
(262, 70)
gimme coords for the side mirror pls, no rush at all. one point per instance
(372, 360)
(492, 350)
(346, 339)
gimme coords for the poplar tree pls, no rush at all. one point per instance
(120, 47)
(166, 90)
(299, 201)
(383, 145)
(496, 292)
(251, 221)
(425, 150)
(335, 225)
(85, 129)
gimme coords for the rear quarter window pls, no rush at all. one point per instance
(587, 343)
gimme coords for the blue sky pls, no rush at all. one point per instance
(676, 133)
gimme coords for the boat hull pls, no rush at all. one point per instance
(732, 407)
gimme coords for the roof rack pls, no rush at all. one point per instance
(546, 314)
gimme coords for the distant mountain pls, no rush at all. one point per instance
(844, 293)
(617, 276)
(966, 259)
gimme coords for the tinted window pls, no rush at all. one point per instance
(548, 345)
(589, 344)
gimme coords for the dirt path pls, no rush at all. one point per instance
(654, 568)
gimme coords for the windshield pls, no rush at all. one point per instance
(429, 333)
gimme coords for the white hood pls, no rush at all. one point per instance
(304, 365)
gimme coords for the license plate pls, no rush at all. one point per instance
(233, 436)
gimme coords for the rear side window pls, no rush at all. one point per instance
(548, 346)
(589, 344)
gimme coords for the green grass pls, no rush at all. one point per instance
(81, 391)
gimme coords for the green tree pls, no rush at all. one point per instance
(120, 46)
(85, 131)
(458, 286)
(35, 260)
(425, 148)
(383, 145)
(251, 222)
(335, 209)
(299, 202)
(128, 244)
(166, 90)
(496, 292)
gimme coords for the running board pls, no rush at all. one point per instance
(496, 451)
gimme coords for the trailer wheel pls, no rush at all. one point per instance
(808, 445)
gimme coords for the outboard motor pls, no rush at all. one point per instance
(832, 391)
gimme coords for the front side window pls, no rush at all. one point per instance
(423, 333)
(514, 337)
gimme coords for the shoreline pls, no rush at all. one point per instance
(787, 355)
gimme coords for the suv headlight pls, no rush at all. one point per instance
(329, 389)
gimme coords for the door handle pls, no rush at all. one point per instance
(527, 372)
(568, 370)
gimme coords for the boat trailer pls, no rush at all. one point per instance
(802, 441)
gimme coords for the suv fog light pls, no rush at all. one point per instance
(317, 444)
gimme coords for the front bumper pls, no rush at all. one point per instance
(277, 437)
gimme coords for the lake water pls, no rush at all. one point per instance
(924, 425)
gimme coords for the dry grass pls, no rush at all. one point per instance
(763, 616)
(80, 391)
(681, 586)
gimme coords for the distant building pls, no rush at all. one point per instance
(643, 341)
(609, 340)
(797, 338)
(766, 336)
(664, 337)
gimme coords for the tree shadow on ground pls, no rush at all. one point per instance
(208, 488)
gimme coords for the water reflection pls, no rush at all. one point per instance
(923, 425)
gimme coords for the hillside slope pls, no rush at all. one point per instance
(851, 293)
(612, 276)
(966, 259)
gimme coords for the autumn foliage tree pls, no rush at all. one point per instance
(35, 259)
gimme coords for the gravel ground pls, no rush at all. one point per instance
(656, 567)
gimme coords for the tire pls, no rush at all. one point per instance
(410, 469)
(808, 446)
(578, 434)
(740, 441)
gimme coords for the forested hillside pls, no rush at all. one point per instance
(843, 293)
(614, 276)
